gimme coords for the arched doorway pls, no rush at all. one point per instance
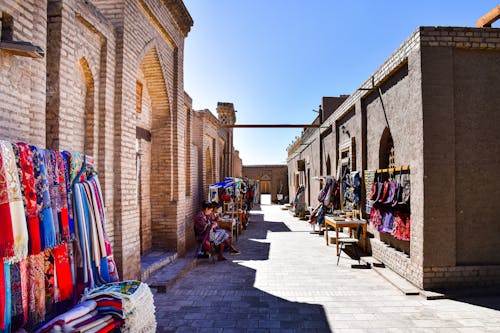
(386, 150)
(153, 151)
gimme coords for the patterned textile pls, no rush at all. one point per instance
(82, 220)
(47, 231)
(53, 181)
(66, 156)
(63, 213)
(36, 288)
(64, 280)
(49, 273)
(19, 289)
(24, 160)
(7, 235)
(19, 228)
(402, 226)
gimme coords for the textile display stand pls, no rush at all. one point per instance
(388, 204)
(53, 242)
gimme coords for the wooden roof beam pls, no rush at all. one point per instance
(269, 126)
(488, 19)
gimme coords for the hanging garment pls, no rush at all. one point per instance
(387, 221)
(64, 280)
(62, 209)
(111, 265)
(49, 273)
(402, 226)
(36, 288)
(7, 234)
(48, 236)
(53, 181)
(19, 292)
(391, 193)
(66, 156)
(19, 228)
(24, 161)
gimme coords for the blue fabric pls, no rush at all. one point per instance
(8, 298)
(104, 270)
(47, 224)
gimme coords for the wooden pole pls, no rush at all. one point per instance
(489, 18)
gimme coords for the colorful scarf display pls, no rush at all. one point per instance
(24, 161)
(7, 235)
(52, 237)
(19, 228)
(48, 236)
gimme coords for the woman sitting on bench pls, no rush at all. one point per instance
(203, 223)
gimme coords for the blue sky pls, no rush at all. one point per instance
(275, 59)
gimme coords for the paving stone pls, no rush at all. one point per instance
(287, 280)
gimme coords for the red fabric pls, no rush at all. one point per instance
(7, 235)
(27, 177)
(115, 304)
(2, 296)
(64, 282)
(65, 224)
(116, 323)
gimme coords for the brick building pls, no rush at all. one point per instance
(111, 85)
(273, 179)
(433, 105)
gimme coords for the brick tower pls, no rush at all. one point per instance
(227, 115)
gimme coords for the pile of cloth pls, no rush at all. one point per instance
(131, 301)
(53, 241)
(126, 306)
(84, 317)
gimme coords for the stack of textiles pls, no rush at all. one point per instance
(49, 250)
(84, 317)
(130, 300)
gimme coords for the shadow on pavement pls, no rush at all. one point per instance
(222, 297)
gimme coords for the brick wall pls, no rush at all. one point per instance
(278, 175)
(422, 86)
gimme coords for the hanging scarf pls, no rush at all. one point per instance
(63, 198)
(8, 300)
(36, 288)
(112, 271)
(49, 273)
(24, 160)
(53, 181)
(19, 290)
(81, 219)
(2, 296)
(7, 235)
(64, 281)
(19, 228)
(47, 231)
(75, 166)
(66, 156)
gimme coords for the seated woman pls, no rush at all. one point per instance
(204, 221)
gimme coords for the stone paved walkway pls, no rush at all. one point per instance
(286, 280)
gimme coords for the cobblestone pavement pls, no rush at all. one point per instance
(286, 280)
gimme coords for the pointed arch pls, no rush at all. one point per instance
(386, 150)
(89, 109)
(156, 155)
(209, 166)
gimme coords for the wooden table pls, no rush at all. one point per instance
(351, 224)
